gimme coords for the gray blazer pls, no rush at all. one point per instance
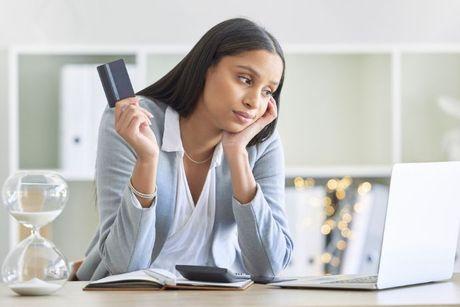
(253, 238)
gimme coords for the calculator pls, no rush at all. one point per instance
(210, 274)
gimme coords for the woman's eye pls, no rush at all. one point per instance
(268, 93)
(244, 79)
(249, 82)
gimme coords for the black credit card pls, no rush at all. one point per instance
(115, 81)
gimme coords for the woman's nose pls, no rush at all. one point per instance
(252, 100)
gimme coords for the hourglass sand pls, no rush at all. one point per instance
(35, 266)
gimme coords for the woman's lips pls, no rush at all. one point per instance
(242, 118)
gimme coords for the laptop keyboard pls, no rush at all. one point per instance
(360, 280)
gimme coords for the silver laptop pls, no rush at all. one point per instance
(420, 233)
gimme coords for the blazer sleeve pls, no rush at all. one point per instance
(263, 233)
(126, 235)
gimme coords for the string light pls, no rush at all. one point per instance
(299, 182)
(340, 194)
(326, 257)
(345, 182)
(364, 188)
(331, 223)
(332, 184)
(341, 245)
(337, 214)
(326, 229)
(342, 225)
(335, 261)
(309, 182)
(358, 207)
(329, 211)
(346, 217)
(346, 233)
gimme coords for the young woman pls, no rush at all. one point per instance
(191, 171)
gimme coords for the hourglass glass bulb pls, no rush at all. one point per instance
(35, 266)
(35, 198)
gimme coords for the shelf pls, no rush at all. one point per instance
(360, 171)
(345, 93)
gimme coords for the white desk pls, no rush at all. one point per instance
(435, 294)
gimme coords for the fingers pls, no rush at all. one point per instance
(133, 125)
(131, 112)
(123, 104)
(272, 111)
(128, 109)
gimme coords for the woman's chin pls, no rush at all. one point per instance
(234, 128)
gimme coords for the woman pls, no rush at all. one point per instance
(191, 170)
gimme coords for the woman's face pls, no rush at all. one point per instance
(238, 88)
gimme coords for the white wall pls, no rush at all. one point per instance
(178, 22)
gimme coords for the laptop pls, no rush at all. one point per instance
(420, 233)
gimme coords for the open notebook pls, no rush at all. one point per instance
(158, 279)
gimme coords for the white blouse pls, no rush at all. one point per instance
(189, 237)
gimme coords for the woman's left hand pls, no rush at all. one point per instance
(237, 141)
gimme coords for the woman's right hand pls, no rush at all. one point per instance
(132, 122)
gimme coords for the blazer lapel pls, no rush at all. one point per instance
(224, 221)
(166, 184)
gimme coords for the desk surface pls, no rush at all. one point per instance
(434, 294)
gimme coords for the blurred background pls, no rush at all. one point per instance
(368, 84)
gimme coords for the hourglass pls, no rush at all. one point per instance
(35, 266)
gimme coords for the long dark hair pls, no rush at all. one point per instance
(182, 86)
